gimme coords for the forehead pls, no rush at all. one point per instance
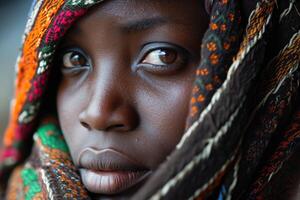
(124, 12)
(121, 8)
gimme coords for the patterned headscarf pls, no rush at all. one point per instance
(244, 117)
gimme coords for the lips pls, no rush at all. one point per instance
(109, 171)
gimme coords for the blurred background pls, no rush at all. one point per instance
(13, 16)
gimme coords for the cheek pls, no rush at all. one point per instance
(163, 117)
(68, 108)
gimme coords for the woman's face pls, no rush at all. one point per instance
(127, 73)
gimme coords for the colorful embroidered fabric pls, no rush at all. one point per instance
(50, 166)
(244, 113)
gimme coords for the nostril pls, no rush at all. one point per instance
(85, 125)
(117, 127)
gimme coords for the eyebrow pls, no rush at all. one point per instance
(143, 24)
(134, 26)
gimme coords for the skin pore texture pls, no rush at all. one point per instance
(127, 72)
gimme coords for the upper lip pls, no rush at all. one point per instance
(108, 160)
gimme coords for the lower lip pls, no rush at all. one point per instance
(111, 182)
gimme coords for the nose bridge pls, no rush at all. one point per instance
(104, 87)
(107, 104)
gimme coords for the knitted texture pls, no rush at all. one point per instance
(243, 122)
(49, 172)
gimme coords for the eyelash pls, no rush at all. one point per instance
(182, 57)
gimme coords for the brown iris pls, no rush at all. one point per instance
(74, 59)
(161, 57)
(77, 59)
(167, 56)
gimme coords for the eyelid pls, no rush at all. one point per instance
(68, 49)
(149, 47)
(159, 45)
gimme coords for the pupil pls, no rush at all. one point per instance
(167, 56)
(76, 60)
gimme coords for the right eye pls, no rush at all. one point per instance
(74, 59)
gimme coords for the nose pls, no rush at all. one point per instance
(109, 107)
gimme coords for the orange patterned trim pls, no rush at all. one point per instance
(257, 21)
(281, 65)
(28, 63)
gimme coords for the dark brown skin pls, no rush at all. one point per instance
(126, 85)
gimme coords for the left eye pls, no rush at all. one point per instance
(74, 59)
(161, 57)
